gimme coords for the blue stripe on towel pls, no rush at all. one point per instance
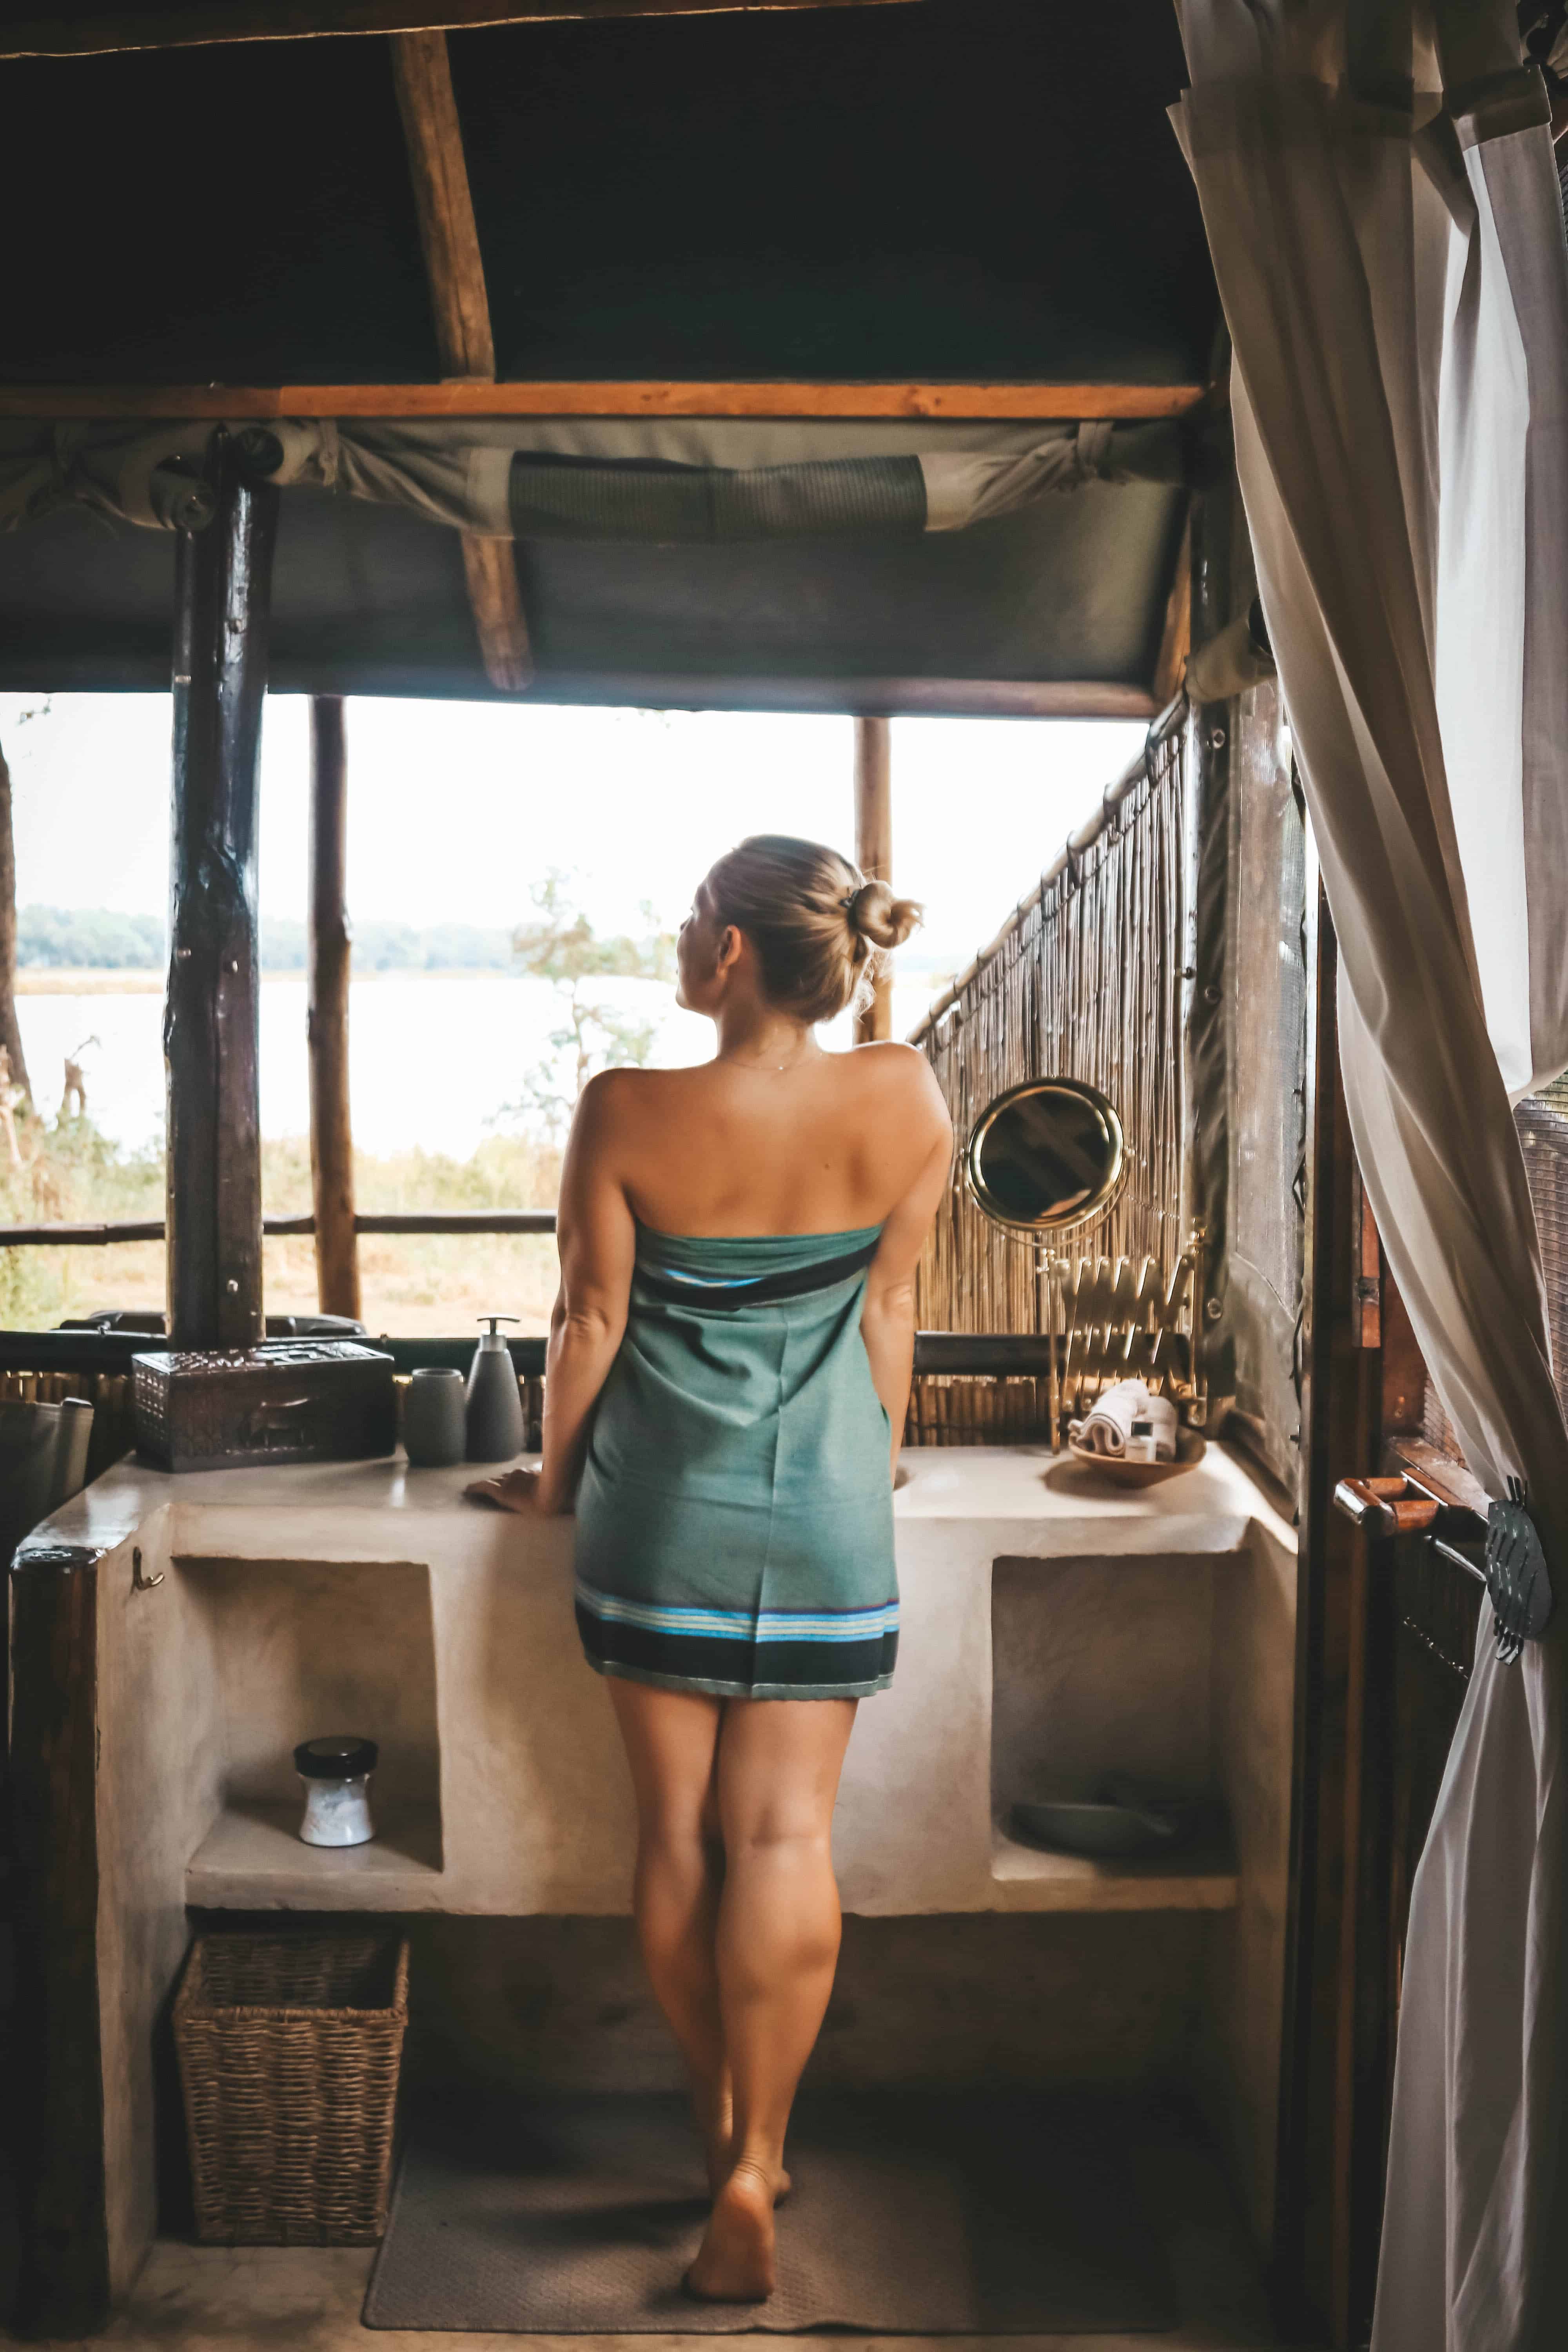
(740, 1625)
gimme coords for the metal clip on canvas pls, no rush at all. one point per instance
(1517, 1577)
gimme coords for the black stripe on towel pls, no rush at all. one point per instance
(706, 1658)
(792, 1282)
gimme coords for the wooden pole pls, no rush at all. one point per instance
(223, 578)
(460, 313)
(332, 1129)
(10, 1028)
(873, 850)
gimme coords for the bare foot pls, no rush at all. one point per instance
(721, 2164)
(735, 2261)
(715, 2114)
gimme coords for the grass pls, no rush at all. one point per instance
(412, 1283)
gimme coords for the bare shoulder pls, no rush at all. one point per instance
(613, 1099)
(904, 1079)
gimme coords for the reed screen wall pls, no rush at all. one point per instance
(1086, 981)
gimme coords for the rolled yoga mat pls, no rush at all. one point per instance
(913, 2215)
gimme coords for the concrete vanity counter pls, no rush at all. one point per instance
(1054, 1627)
(176, 1636)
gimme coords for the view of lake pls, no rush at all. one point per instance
(435, 1057)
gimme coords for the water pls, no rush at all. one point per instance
(434, 1057)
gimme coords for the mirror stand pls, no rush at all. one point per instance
(1047, 1158)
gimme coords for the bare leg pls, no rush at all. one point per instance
(671, 1741)
(779, 1924)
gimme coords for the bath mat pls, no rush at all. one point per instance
(911, 2215)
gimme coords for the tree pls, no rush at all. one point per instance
(562, 946)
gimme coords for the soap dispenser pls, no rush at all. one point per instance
(493, 1420)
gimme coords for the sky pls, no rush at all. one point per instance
(455, 808)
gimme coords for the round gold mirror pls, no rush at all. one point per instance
(1046, 1156)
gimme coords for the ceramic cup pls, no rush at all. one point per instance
(434, 1410)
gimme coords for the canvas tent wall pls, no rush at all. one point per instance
(887, 193)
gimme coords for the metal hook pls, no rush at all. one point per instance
(140, 1583)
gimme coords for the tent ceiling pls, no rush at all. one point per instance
(962, 189)
(369, 599)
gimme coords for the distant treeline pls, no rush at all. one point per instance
(90, 938)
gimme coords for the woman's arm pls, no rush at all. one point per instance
(597, 1235)
(888, 1319)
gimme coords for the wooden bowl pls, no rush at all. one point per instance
(1190, 1447)
(1103, 1829)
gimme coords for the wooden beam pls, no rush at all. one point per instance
(389, 1221)
(93, 32)
(904, 698)
(454, 270)
(331, 1126)
(874, 852)
(490, 566)
(222, 598)
(460, 310)
(242, 404)
(1176, 636)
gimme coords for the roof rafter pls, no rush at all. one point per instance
(66, 33)
(1019, 403)
(1177, 636)
(454, 269)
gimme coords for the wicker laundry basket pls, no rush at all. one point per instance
(289, 2049)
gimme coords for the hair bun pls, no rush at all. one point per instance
(881, 917)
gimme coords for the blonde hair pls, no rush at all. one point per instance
(818, 927)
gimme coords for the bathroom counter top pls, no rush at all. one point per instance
(1207, 1508)
(373, 1598)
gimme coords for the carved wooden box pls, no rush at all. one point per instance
(284, 1401)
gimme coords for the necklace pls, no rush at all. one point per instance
(763, 1068)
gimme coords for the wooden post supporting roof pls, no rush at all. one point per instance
(874, 851)
(10, 1027)
(460, 306)
(331, 1127)
(223, 579)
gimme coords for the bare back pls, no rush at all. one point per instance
(832, 1143)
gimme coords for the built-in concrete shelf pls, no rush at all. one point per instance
(1056, 1631)
(1026, 1879)
(253, 1858)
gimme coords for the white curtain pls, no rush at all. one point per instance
(1392, 264)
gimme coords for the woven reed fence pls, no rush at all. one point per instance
(1084, 982)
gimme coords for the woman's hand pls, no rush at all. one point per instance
(517, 1490)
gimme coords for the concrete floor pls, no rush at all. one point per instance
(307, 2299)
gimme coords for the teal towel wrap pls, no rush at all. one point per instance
(734, 1530)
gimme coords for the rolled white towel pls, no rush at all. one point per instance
(1161, 1415)
(1107, 1427)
